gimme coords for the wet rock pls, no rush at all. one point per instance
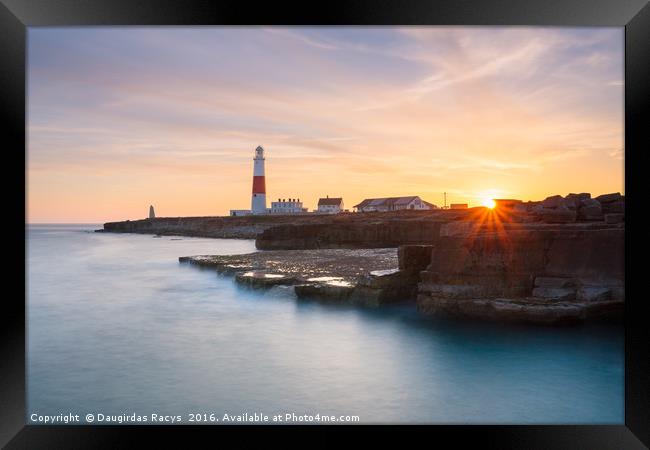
(303, 264)
(324, 292)
(504, 310)
(263, 280)
(384, 287)
(366, 277)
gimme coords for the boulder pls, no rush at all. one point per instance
(553, 202)
(573, 200)
(387, 286)
(590, 210)
(608, 198)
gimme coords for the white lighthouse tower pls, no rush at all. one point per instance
(258, 201)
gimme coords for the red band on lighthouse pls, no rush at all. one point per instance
(259, 185)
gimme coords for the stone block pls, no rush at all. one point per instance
(554, 201)
(608, 198)
(414, 257)
(573, 200)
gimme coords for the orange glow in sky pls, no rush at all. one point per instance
(121, 118)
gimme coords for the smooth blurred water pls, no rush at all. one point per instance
(116, 325)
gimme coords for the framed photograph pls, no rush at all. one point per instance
(349, 214)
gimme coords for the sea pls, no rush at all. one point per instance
(118, 330)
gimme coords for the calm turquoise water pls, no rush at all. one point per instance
(117, 326)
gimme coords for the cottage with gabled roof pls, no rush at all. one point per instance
(329, 205)
(394, 204)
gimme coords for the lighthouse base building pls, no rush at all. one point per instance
(287, 206)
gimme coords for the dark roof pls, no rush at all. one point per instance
(386, 201)
(330, 201)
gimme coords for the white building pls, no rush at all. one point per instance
(329, 205)
(287, 206)
(240, 212)
(394, 204)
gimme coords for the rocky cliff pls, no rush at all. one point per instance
(378, 229)
(526, 272)
(308, 231)
(247, 227)
(557, 261)
(357, 234)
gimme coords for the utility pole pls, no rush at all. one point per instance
(445, 207)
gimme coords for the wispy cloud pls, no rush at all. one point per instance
(359, 111)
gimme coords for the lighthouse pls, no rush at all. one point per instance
(258, 201)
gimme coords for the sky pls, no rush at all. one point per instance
(120, 118)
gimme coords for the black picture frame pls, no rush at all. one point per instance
(634, 15)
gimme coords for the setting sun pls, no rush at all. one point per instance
(489, 203)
